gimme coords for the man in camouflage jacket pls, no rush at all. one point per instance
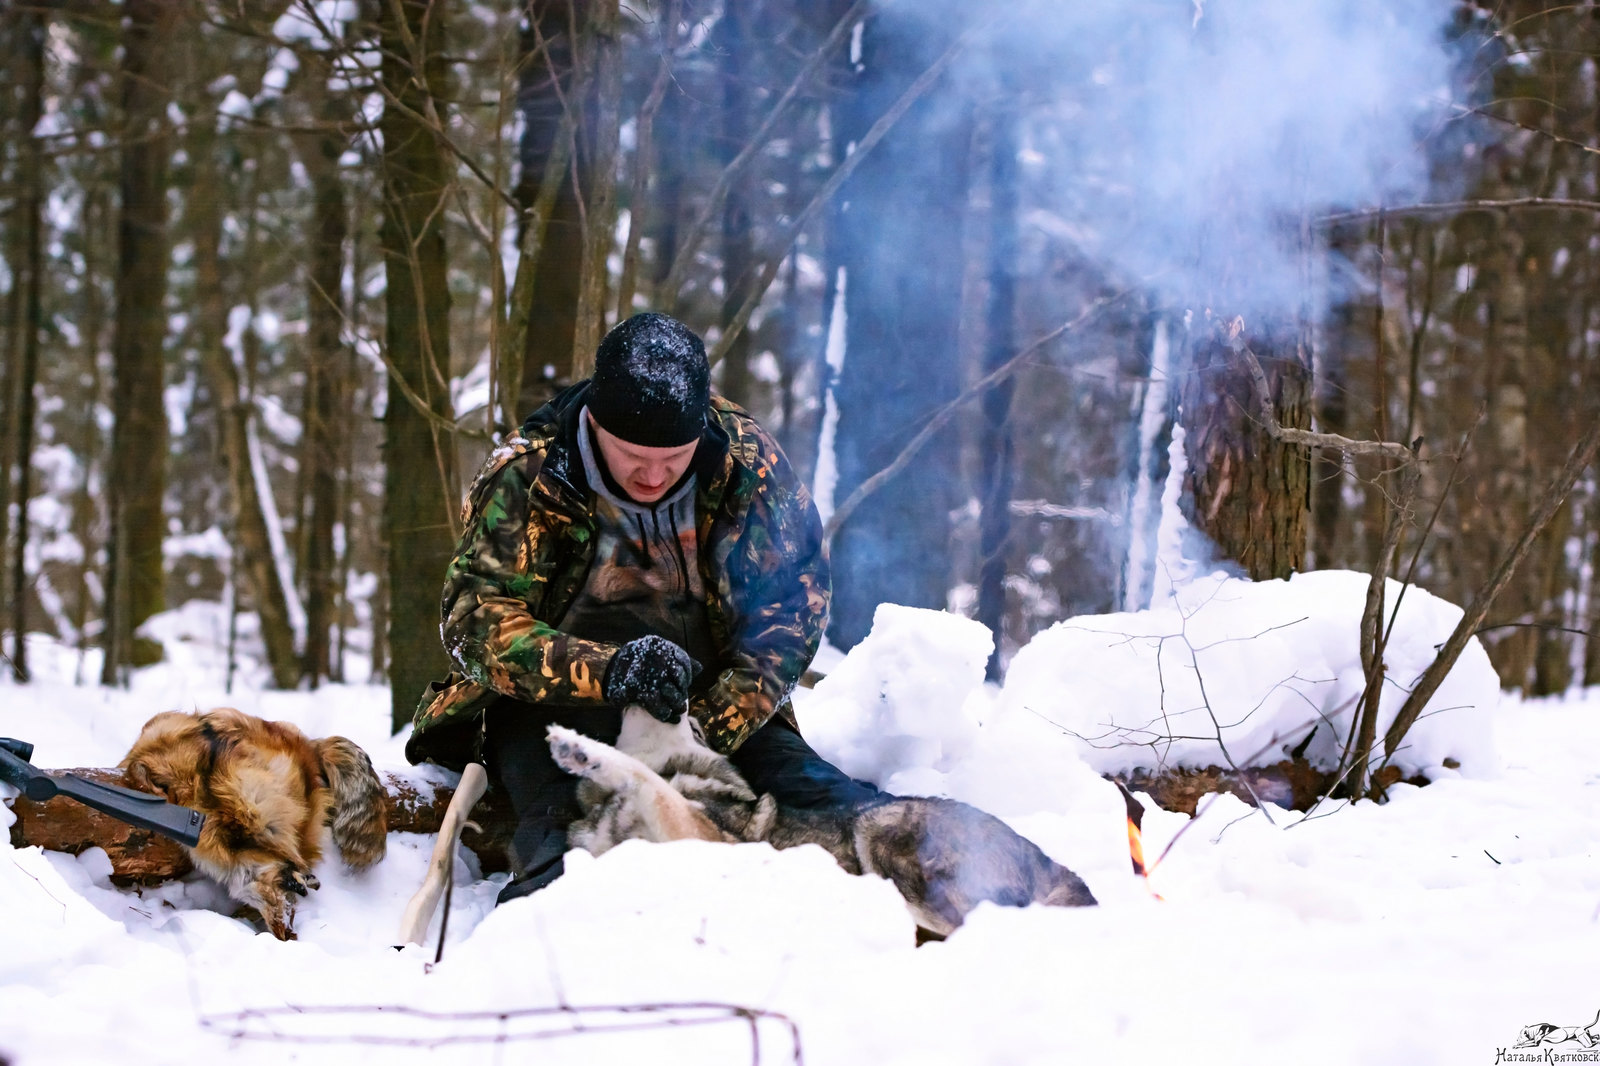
(568, 597)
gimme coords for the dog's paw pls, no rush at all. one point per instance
(300, 882)
(569, 749)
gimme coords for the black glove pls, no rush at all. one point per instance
(652, 672)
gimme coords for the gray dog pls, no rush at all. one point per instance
(661, 783)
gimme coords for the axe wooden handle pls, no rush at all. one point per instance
(419, 912)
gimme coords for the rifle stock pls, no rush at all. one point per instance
(140, 809)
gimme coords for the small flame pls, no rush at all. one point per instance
(1136, 849)
(1136, 839)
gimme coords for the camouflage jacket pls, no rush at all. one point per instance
(526, 548)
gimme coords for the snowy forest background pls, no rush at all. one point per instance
(276, 275)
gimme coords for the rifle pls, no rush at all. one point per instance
(136, 808)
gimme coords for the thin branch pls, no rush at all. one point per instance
(843, 171)
(937, 419)
(690, 241)
(643, 150)
(1553, 627)
(1583, 453)
(1452, 207)
(1269, 419)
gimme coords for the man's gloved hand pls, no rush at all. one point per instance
(652, 672)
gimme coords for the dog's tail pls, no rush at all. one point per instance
(358, 818)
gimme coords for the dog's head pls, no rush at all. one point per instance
(1533, 1035)
(167, 756)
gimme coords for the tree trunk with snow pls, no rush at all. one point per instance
(1250, 493)
(420, 489)
(603, 63)
(904, 259)
(734, 42)
(139, 441)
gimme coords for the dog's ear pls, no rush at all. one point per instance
(140, 777)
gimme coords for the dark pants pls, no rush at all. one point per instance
(775, 759)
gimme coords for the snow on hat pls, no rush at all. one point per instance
(652, 383)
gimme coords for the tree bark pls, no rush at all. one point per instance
(11, 22)
(419, 455)
(738, 252)
(90, 443)
(31, 29)
(139, 440)
(327, 390)
(547, 92)
(644, 156)
(600, 198)
(1250, 492)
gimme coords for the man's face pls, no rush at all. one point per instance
(645, 474)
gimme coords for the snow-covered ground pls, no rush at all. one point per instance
(1433, 928)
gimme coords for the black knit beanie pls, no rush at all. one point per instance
(652, 383)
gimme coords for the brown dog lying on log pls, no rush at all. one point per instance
(273, 799)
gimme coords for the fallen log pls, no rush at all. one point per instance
(1293, 783)
(140, 857)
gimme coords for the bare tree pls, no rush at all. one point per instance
(30, 29)
(603, 61)
(139, 441)
(550, 228)
(419, 449)
(326, 406)
(1000, 331)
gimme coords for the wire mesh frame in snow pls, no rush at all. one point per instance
(265, 1023)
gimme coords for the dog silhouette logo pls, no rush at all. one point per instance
(1569, 1038)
